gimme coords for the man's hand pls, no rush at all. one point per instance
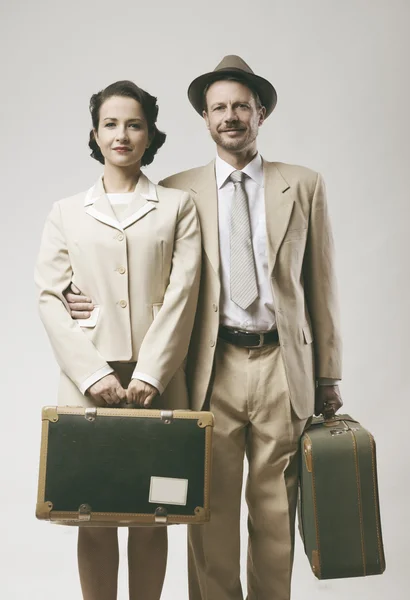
(80, 306)
(107, 390)
(141, 393)
(328, 400)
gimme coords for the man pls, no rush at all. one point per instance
(265, 352)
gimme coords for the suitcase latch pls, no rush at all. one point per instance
(161, 515)
(84, 512)
(167, 416)
(90, 414)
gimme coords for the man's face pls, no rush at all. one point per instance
(232, 115)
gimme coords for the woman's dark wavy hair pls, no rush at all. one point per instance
(149, 106)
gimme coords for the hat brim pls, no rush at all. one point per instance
(263, 87)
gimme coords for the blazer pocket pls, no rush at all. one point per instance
(307, 334)
(295, 234)
(92, 319)
(156, 308)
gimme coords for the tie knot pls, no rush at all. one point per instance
(237, 177)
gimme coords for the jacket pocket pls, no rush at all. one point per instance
(92, 319)
(156, 308)
(307, 334)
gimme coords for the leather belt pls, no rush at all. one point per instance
(248, 339)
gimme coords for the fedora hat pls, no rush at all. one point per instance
(233, 66)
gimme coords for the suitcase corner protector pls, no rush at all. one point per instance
(315, 563)
(307, 452)
(206, 420)
(201, 514)
(43, 510)
(49, 413)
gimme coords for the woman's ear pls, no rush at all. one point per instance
(95, 134)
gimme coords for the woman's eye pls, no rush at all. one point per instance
(135, 125)
(109, 125)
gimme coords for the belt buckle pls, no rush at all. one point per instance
(261, 340)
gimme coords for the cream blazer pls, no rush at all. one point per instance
(142, 274)
(301, 265)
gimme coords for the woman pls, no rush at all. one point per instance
(134, 248)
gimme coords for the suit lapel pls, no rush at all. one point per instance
(206, 200)
(278, 206)
(143, 200)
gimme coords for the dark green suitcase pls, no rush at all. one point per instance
(124, 467)
(338, 509)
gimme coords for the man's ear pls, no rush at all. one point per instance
(205, 116)
(262, 115)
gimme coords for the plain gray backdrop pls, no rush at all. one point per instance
(341, 70)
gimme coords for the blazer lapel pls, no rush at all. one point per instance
(278, 206)
(206, 200)
(97, 205)
(142, 202)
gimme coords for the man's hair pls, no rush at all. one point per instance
(149, 106)
(236, 78)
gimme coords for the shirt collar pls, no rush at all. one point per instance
(254, 170)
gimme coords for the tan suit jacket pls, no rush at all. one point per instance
(301, 266)
(143, 275)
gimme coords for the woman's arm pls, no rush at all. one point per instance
(165, 344)
(75, 353)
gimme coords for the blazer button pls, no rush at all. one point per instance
(123, 303)
(214, 306)
(120, 237)
(121, 270)
(212, 343)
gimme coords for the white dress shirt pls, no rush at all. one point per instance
(260, 315)
(119, 203)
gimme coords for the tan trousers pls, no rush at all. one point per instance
(253, 416)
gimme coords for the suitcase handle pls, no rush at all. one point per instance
(330, 422)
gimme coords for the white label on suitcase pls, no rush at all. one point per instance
(168, 490)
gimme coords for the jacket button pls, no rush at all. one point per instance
(121, 270)
(214, 306)
(123, 303)
(120, 237)
(212, 343)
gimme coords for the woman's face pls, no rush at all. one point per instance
(122, 133)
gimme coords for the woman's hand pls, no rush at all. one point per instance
(141, 393)
(107, 390)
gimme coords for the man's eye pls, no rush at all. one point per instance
(218, 108)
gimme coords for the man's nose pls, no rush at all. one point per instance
(230, 114)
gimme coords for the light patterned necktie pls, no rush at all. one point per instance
(244, 287)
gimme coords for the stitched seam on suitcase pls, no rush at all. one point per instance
(315, 513)
(376, 503)
(359, 500)
(43, 462)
